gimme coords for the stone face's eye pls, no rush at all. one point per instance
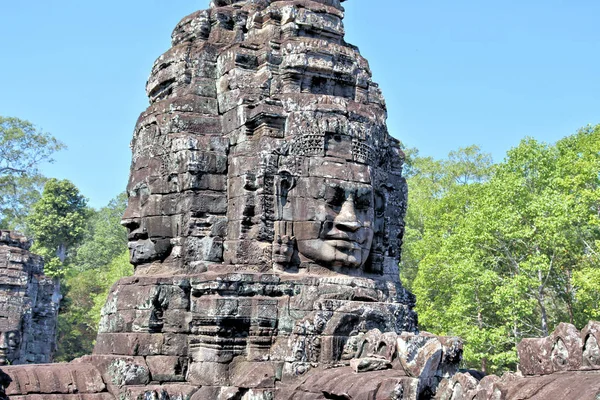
(13, 339)
(140, 191)
(379, 204)
(335, 196)
(363, 200)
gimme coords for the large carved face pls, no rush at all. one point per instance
(9, 346)
(333, 219)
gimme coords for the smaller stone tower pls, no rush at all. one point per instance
(27, 310)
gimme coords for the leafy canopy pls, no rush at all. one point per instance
(22, 149)
(57, 222)
(496, 253)
(98, 261)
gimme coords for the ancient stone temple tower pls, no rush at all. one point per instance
(264, 141)
(266, 200)
(265, 218)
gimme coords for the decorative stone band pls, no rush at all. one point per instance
(316, 145)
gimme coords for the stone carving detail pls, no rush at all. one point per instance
(28, 304)
(590, 336)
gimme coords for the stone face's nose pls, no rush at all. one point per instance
(346, 220)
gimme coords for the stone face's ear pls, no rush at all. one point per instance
(287, 180)
(284, 244)
(285, 183)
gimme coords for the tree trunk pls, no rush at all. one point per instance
(480, 326)
(544, 314)
(61, 252)
(570, 298)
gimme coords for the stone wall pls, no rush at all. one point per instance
(28, 304)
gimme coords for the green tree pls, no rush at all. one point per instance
(86, 293)
(507, 252)
(23, 148)
(105, 238)
(57, 222)
(100, 260)
(438, 192)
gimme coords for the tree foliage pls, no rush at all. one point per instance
(86, 292)
(105, 238)
(22, 148)
(495, 253)
(101, 259)
(57, 222)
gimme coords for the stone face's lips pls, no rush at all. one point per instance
(135, 236)
(359, 236)
(345, 244)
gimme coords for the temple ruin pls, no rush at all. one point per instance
(28, 304)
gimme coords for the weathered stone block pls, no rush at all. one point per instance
(167, 368)
(367, 364)
(175, 344)
(205, 373)
(419, 355)
(250, 374)
(129, 344)
(54, 378)
(534, 356)
(165, 391)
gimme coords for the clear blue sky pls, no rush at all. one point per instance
(454, 73)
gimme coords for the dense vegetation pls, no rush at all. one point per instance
(22, 149)
(499, 252)
(83, 248)
(493, 252)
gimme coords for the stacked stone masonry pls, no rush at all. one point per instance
(28, 304)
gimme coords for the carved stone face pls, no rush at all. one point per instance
(333, 221)
(591, 352)
(560, 354)
(9, 346)
(148, 235)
